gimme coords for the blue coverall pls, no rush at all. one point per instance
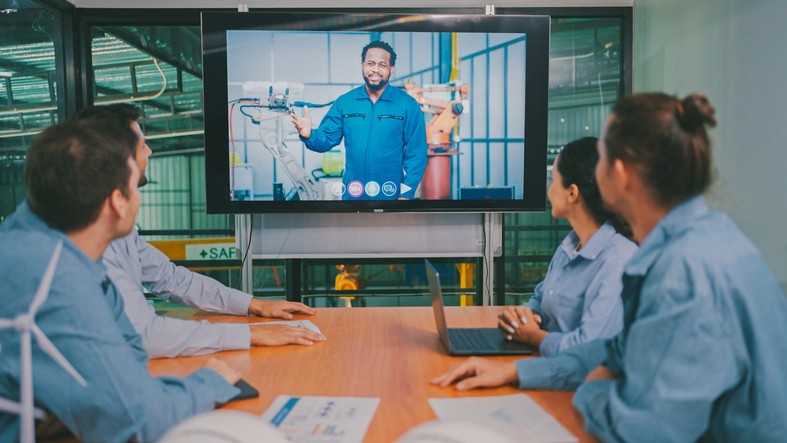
(384, 141)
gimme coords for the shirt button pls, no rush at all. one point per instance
(551, 291)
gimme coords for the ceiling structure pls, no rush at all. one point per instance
(159, 67)
(233, 4)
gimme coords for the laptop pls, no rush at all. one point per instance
(468, 341)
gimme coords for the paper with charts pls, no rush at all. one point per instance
(312, 419)
(516, 415)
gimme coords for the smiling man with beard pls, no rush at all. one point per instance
(383, 130)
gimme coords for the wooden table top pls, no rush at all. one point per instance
(390, 353)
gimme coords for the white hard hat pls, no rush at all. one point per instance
(453, 431)
(224, 426)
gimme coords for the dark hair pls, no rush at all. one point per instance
(73, 167)
(577, 165)
(122, 114)
(382, 45)
(666, 139)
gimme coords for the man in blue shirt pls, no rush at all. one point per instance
(134, 264)
(81, 183)
(383, 129)
(702, 353)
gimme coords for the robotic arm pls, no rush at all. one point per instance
(436, 181)
(277, 99)
(445, 112)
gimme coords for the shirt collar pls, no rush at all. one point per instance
(25, 219)
(361, 94)
(594, 246)
(677, 221)
(597, 241)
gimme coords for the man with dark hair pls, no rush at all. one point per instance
(379, 45)
(121, 114)
(383, 130)
(70, 205)
(81, 182)
(134, 264)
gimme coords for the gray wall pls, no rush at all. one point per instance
(734, 51)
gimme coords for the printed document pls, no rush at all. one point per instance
(312, 419)
(515, 415)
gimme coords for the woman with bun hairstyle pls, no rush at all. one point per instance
(702, 352)
(579, 299)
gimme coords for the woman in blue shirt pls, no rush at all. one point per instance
(702, 352)
(579, 299)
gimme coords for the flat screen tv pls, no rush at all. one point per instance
(311, 112)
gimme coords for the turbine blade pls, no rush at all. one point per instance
(46, 280)
(15, 408)
(49, 348)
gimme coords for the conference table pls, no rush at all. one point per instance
(389, 353)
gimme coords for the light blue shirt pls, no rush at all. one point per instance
(83, 316)
(132, 263)
(703, 350)
(579, 299)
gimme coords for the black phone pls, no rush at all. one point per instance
(246, 391)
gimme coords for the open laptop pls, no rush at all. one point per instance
(468, 341)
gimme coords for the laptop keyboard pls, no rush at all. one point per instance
(469, 339)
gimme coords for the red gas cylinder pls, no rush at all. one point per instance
(436, 182)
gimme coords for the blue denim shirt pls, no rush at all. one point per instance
(83, 316)
(579, 300)
(702, 353)
(384, 141)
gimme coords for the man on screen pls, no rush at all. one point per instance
(132, 263)
(383, 129)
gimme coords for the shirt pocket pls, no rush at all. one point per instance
(391, 128)
(565, 307)
(389, 135)
(355, 129)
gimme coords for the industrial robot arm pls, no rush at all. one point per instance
(271, 128)
(445, 112)
(273, 140)
(436, 181)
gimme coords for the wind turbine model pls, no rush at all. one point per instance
(25, 324)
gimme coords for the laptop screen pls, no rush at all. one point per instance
(437, 302)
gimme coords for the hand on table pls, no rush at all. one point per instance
(521, 324)
(279, 335)
(278, 308)
(479, 373)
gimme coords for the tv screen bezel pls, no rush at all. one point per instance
(214, 40)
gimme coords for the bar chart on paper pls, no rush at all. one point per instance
(313, 419)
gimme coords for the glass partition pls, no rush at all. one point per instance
(29, 89)
(586, 73)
